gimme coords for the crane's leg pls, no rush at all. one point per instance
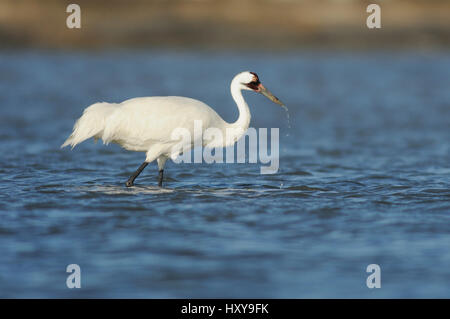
(130, 181)
(161, 162)
(160, 177)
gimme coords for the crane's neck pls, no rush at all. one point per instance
(234, 131)
(243, 122)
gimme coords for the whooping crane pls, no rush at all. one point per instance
(145, 124)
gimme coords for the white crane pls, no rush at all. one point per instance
(146, 124)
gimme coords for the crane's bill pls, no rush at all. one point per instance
(269, 95)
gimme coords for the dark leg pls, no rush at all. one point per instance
(130, 181)
(160, 178)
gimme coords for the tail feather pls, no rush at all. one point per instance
(90, 124)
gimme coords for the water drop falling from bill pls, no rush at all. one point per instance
(287, 117)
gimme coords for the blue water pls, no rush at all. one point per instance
(364, 179)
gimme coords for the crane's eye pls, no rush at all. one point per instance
(253, 85)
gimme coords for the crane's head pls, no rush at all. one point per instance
(250, 81)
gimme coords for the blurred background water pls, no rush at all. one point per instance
(364, 172)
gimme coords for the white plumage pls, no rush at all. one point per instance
(146, 124)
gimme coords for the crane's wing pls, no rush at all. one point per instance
(141, 122)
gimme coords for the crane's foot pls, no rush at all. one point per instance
(129, 183)
(160, 178)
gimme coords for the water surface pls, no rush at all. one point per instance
(364, 178)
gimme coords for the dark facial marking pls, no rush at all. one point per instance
(254, 85)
